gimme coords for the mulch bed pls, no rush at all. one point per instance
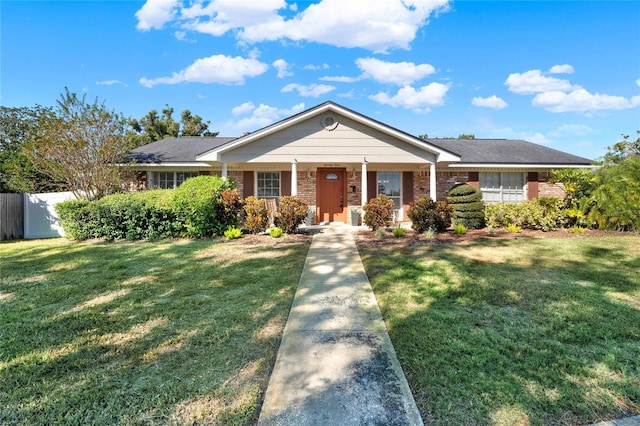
(368, 238)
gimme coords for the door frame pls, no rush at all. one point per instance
(321, 171)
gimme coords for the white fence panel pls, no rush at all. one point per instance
(40, 218)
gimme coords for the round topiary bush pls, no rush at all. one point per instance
(468, 208)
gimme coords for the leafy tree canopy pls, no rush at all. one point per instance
(153, 126)
(80, 144)
(467, 136)
(17, 172)
(622, 150)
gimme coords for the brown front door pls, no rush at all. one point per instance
(331, 190)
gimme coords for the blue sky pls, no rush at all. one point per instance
(565, 74)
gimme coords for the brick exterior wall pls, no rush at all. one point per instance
(354, 198)
(307, 187)
(420, 185)
(237, 178)
(445, 180)
(548, 189)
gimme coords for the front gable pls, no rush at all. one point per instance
(328, 133)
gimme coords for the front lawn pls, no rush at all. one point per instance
(171, 332)
(520, 331)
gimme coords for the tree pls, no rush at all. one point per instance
(622, 150)
(17, 172)
(153, 127)
(80, 144)
(192, 125)
(467, 136)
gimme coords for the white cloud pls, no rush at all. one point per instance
(110, 83)
(571, 129)
(312, 90)
(490, 102)
(581, 100)
(324, 66)
(283, 68)
(243, 108)
(401, 73)
(561, 69)
(155, 13)
(419, 100)
(219, 69)
(377, 25)
(534, 81)
(262, 116)
(556, 95)
(638, 82)
(340, 79)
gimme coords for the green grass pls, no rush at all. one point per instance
(521, 331)
(172, 332)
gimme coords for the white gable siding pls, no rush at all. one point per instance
(310, 142)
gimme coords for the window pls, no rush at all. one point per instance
(168, 180)
(268, 184)
(500, 187)
(389, 184)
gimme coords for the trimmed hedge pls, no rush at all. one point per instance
(468, 208)
(546, 214)
(201, 207)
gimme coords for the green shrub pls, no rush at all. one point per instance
(197, 201)
(256, 215)
(381, 233)
(292, 212)
(513, 228)
(544, 214)
(428, 214)
(133, 216)
(275, 232)
(459, 229)
(227, 210)
(429, 234)
(578, 230)
(615, 203)
(232, 233)
(398, 232)
(77, 218)
(378, 212)
(468, 208)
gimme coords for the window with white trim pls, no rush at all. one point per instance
(168, 180)
(503, 187)
(390, 184)
(268, 184)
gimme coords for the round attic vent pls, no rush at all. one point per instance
(329, 122)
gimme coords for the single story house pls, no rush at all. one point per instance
(336, 158)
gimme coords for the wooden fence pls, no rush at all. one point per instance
(11, 217)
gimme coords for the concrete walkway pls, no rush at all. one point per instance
(336, 364)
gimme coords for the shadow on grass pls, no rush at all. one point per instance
(515, 331)
(180, 332)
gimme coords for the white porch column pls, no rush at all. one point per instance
(432, 181)
(294, 177)
(363, 183)
(224, 171)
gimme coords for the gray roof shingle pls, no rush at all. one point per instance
(506, 151)
(175, 150)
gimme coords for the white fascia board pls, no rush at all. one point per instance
(520, 166)
(164, 165)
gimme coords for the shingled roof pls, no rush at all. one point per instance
(175, 150)
(506, 151)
